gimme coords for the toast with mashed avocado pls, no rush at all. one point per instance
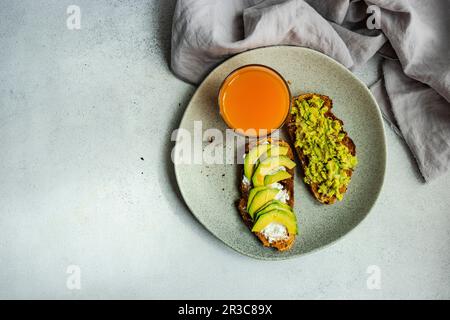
(327, 154)
(267, 193)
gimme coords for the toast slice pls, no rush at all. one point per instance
(288, 185)
(304, 160)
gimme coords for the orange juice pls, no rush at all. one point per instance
(254, 97)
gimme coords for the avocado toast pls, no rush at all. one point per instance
(326, 152)
(267, 193)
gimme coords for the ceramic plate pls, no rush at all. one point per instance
(211, 191)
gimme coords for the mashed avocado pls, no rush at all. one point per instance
(320, 139)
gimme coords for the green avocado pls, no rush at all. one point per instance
(265, 167)
(276, 177)
(276, 216)
(252, 194)
(252, 157)
(261, 198)
(276, 202)
(274, 205)
(274, 151)
(320, 137)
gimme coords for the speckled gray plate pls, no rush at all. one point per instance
(211, 191)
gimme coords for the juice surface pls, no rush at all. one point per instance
(254, 97)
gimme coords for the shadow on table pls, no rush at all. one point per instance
(164, 29)
(168, 146)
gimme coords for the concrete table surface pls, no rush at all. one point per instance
(78, 111)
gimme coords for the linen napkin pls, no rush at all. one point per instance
(415, 92)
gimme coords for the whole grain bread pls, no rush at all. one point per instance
(287, 184)
(347, 141)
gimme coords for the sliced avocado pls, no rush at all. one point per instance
(252, 194)
(273, 205)
(275, 208)
(274, 151)
(268, 165)
(276, 177)
(261, 198)
(276, 216)
(275, 202)
(277, 150)
(252, 157)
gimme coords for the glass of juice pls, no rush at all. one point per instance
(254, 100)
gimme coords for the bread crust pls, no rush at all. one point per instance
(288, 184)
(347, 141)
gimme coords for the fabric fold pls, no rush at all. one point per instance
(426, 129)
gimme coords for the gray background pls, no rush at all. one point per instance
(78, 109)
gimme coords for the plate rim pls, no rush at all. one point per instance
(384, 153)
